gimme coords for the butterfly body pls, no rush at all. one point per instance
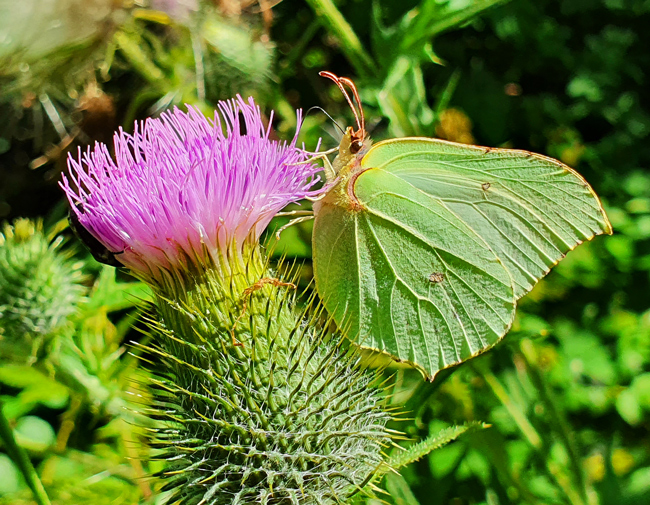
(346, 166)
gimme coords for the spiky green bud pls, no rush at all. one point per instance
(39, 285)
(276, 412)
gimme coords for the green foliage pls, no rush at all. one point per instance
(219, 59)
(432, 442)
(81, 374)
(11, 478)
(36, 389)
(80, 477)
(565, 393)
(48, 57)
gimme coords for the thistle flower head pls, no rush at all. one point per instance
(184, 189)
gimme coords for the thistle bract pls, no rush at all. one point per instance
(184, 190)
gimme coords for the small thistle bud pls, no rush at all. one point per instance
(39, 285)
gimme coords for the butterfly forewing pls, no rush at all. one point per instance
(529, 209)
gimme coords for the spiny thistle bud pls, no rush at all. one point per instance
(256, 402)
(39, 285)
(289, 417)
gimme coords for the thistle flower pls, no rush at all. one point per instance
(255, 401)
(186, 190)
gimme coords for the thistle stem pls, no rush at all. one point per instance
(19, 456)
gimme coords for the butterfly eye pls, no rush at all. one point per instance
(356, 146)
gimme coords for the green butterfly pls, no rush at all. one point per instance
(422, 247)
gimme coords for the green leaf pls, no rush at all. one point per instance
(34, 434)
(36, 388)
(21, 376)
(433, 17)
(402, 99)
(11, 480)
(400, 491)
(351, 46)
(416, 28)
(445, 460)
(112, 295)
(236, 46)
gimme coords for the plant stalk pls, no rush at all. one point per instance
(19, 456)
(527, 429)
(531, 434)
(561, 425)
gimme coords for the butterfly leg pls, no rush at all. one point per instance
(325, 153)
(330, 173)
(330, 176)
(316, 156)
(291, 223)
(296, 213)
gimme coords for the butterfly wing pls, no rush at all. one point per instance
(531, 210)
(405, 275)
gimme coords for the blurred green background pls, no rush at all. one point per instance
(567, 393)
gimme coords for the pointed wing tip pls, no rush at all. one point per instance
(608, 229)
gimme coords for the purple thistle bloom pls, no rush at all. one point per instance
(180, 187)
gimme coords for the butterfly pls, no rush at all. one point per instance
(422, 247)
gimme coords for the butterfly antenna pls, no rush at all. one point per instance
(325, 112)
(350, 84)
(337, 81)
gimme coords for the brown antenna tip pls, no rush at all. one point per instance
(341, 82)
